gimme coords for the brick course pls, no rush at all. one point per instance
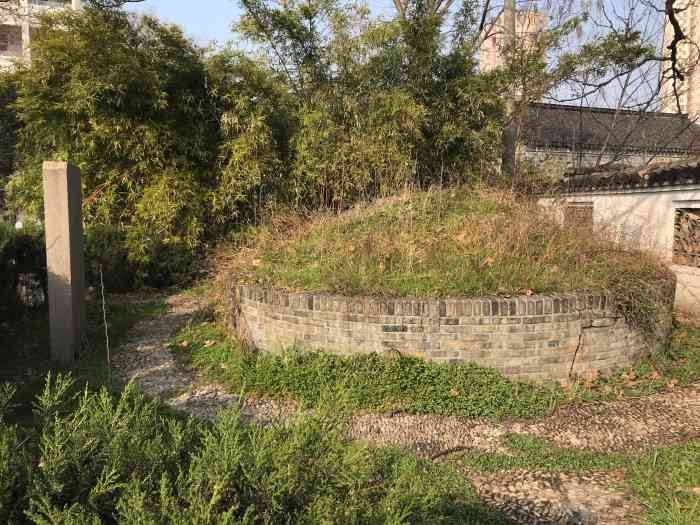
(527, 337)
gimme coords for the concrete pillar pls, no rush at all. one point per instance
(64, 257)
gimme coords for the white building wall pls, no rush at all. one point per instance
(19, 16)
(644, 219)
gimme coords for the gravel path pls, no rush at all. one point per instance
(146, 359)
(525, 497)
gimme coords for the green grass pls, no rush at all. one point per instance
(463, 242)
(377, 383)
(367, 382)
(531, 453)
(667, 483)
(25, 351)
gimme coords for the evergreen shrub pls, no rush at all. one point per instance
(94, 459)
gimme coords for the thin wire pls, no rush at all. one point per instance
(104, 320)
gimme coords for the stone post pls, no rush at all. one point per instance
(64, 258)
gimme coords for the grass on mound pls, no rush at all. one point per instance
(464, 242)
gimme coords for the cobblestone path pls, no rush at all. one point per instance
(528, 497)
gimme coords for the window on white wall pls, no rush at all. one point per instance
(579, 214)
(686, 237)
(4, 39)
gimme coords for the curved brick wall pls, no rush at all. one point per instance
(528, 337)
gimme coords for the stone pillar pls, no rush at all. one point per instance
(64, 258)
(26, 13)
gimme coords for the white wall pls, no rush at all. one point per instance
(645, 219)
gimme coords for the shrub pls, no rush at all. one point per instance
(138, 121)
(94, 459)
(15, 465)
(8, 130)
(22, 252)
(105, 248)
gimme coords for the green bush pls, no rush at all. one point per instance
(105, 249)
(8, 130)
(178, 145)
(15, 465)
(93, 459)
(21, 252)
(138, 121)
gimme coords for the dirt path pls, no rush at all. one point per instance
(526, 497)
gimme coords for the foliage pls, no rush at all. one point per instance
(667, 481)
(106, 251)
(454, 243)
(177, 146)
(322, 107)
(366, 381)
(22, 252)
(14, 465)
(93, 459)
(256, 122)
(135, 120)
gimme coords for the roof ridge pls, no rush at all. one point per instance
(600, 109)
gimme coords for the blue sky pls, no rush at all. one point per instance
(207, 20)
(203, 20)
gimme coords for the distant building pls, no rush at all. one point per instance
(17, 22)
(578, 137)
(529, 23)
(570, 137)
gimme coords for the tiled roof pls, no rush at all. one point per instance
(625, 177)
(585, 128)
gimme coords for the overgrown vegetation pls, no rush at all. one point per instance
(373, 382)
(667, 481)
(93, 459)
(177, 145)
(322, 106)
(450, 243)
(8, 132)
(366, 382)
